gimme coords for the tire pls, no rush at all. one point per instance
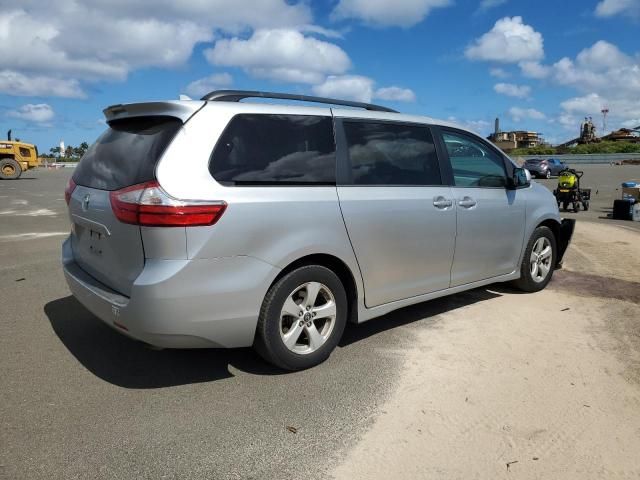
(527, 282)
(585, 205)
(287, 341)
(576, 207)
(548, 174)
(9, 169)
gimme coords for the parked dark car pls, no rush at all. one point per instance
(542, 168)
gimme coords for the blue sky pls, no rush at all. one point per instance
(537, 65)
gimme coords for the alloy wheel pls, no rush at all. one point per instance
(540, 260)
(307, 318)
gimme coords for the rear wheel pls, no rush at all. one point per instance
(538, 262)
(302, 318)
(9, 169)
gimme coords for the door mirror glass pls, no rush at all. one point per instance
(521, 177)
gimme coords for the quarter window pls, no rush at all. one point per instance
(260, 149)
(474, 164)
(382, 153)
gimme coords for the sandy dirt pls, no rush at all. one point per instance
(523, 386)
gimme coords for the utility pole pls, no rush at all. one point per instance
(604, 112)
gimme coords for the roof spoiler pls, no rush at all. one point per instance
(237, 95)
(173, 108)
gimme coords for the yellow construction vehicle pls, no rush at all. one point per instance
(16, 157)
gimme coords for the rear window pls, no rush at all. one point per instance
(127, 153)
(262, 149)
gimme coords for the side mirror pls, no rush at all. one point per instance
(521, 178)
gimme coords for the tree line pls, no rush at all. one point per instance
(70, 154)
(600, 147)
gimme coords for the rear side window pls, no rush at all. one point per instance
(127, 153)
(261, 149)
(383, 153)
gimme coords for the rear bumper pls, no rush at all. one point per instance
(180, 303)
(567, 227)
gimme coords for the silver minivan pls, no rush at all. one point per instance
(225, 223)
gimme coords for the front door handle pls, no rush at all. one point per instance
(467, 202)
(441, 202)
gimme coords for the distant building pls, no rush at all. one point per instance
(515, 139)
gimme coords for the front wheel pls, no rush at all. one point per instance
(538, 262)
(302, 318)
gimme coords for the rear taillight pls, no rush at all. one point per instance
(150, 206)
(71, 186)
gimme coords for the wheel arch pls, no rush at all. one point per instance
(553, 225)
(562, 231)
(337, 266)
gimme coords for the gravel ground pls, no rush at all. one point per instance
(77, 400)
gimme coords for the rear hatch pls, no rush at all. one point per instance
(126, 154)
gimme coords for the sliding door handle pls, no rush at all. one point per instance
(467, 202)
(441, 202)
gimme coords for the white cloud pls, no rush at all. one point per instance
(517, 114)
(38, 113)
(622, 111)
(281, 54)
(395, 94)
(588, 104)
(399, 13)
(534, 70)
(499, 73)
(99, 40)
(325, 32)
(609, 8)
(509, 41)
(512, 90)
(352, 87)
(603, 75)
(481, 127)
(633, 123)
(601, 67)
(15, 83)
(361, 89)
(488, 4)
(200, 87)
(569, 122)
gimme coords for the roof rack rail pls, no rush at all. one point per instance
(237, 95)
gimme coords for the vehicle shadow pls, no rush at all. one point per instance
(424, 311)
(130, 364)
